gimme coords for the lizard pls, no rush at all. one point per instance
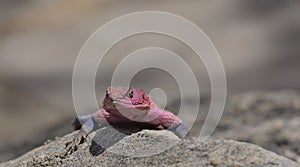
(126, 105)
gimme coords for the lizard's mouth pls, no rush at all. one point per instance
(128, 104)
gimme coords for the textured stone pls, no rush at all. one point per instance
(149, 148)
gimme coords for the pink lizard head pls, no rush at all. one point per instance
(126, 98)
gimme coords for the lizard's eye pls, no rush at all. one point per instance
(130, 94)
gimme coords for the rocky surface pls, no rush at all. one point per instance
(149, 148)
(268, 119)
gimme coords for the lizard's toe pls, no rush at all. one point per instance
(188, 138)
(72, 146)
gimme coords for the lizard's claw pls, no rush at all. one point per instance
(188, 137)
(72, 146)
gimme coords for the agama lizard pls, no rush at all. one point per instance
(126, 105)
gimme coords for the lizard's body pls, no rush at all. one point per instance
(126, 105)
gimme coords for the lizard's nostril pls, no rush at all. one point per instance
(106, 94)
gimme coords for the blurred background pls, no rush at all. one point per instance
(258, 41)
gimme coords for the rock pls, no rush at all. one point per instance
(108, 147)
(267, 119)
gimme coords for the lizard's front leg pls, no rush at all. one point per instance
(171, 122)
(85, 125)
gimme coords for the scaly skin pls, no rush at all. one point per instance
(125, 105)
